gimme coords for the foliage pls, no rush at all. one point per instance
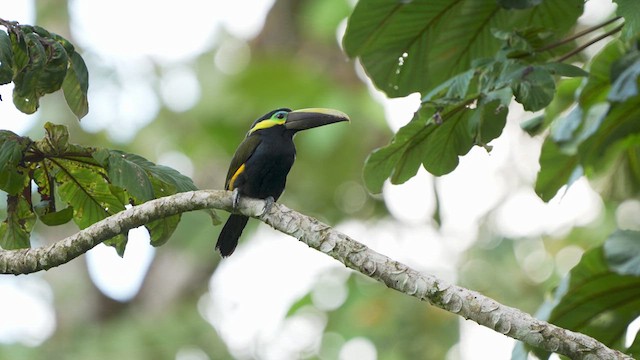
(468, 60)
(40, 62)
(85, 184)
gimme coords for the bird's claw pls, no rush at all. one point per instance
(235, 199)
(268, 204)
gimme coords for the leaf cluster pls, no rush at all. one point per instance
(55, 181)
(468, 59)
(39, 62)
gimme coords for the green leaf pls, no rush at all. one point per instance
(76, 85)
(534, 89)
(127, 171)
(620, 123)
(13, 177)
(55, 69)
(598, 83)
(55, 218)
(625, 84)
(6, 59)
(596, 301)
(26, 93)
(518, 4)
(380, 163)
(630, 10)
(56, 141)
(87, 191)
(412, 46)
(562, 69)
(563, 99)
(556, 170)
(19, 50)
(622, 252)
(488, 121)
(161, 230)
(119, 243)
(16, 228)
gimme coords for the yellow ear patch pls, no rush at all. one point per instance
(265, 124)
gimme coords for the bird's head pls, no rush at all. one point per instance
(296, 120)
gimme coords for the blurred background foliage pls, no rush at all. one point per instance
(294, 61)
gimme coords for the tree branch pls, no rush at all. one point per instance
(469, 304)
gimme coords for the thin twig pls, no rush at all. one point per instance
(578, 35)
(589, 43)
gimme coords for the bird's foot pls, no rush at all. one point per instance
(268, 204)
(235, 199)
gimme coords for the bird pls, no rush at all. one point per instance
(262, 161)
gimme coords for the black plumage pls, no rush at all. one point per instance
(260, 166)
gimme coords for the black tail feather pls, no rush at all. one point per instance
(228, 239)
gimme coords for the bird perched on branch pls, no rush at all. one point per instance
(261, 163)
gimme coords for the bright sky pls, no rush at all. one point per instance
(250, 323)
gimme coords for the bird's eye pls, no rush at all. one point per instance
(280, 115)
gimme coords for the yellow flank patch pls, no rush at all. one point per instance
(235, 176)
(265, 124)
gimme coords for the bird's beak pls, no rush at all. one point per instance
(313, 117)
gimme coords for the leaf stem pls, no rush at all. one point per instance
(578, 35)
(589, 43)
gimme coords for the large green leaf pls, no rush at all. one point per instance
(128, 172)
(76, 85)
(596, 301)
(16, 228)
(409, 46)
(87, 191)
(630, 10)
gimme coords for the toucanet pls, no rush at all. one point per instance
(262, 161)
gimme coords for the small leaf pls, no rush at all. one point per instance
(13, 177)
(57, 218)
(76, 85)
(56, 140)
(119, 243)
(568, 70)
(15, 230)
(6, 59)
(161, 230)
(534, 89)
(622, 251)
(556, 170)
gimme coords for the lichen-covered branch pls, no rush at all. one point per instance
(469, 304)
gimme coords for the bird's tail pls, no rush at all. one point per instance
(228, 239)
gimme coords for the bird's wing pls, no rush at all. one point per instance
(243, 153)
